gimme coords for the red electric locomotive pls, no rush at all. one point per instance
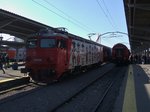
(120, 54)
(50, 54)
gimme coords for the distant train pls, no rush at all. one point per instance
(13, 54)
(49, 55)
(120, 54)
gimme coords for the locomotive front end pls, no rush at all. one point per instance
(41, 58)
(46, 56)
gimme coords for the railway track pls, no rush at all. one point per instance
(14, 89)
(70, 104)
(19, 91)
(13, 82)
(20, 87)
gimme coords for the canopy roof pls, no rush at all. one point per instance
(138, 23)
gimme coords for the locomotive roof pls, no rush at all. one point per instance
(48, 32)
(120, 45)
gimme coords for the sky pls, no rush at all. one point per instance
(80, 17)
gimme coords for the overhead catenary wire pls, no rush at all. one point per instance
(65, 18)
(109, 20)
(108, 12)
(68, 15)
(107, 15)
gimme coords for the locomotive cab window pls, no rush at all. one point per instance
(31, 43)
(48, 43)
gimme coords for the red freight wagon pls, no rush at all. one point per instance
(120, 54)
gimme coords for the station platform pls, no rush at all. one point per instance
(12, 77)
(134, 93)
(10, 73)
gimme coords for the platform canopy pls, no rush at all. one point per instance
(23, 28)
(138, 23)
(18, 26)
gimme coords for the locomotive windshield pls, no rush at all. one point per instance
(31, 43)
(48, 43)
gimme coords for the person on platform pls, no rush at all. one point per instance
(6, 61)
(1, 65)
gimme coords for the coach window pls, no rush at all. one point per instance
(48, 43)
(74, 45)
(78, 44)
(82, 45)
